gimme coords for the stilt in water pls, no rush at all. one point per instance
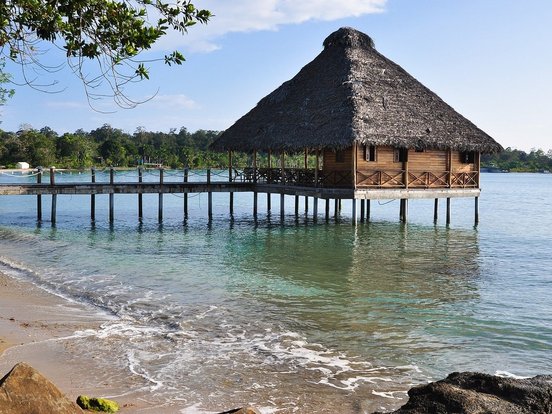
(39, 197)
(476, 210)
(448, 211)
(54, 196)
(186, 196)
(140, 200)
(436, 210)
(362, 210)
(93, 196)
(315, 209)
(160, 205)
(209, 197)
(367, 210)
(296, 206)
(111, 196)
(354, 211)
(327, 209)
(282, 207)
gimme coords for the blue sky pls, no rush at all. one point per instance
(491, 60)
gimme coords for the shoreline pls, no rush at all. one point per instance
(36, 327)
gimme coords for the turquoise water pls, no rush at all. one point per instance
(320, 316)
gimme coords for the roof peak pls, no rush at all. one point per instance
(347, 36)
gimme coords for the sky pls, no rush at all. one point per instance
(491, 60)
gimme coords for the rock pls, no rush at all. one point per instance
(97, 404)
(244, 410)
(24, 390)
(472, 392)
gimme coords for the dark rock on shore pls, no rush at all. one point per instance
(472, 392)
(24, 390)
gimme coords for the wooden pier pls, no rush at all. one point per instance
(235, 183)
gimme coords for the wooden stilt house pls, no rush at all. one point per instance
(376, 131)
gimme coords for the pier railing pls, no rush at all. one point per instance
(364, 178)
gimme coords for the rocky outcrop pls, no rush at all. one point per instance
(471, 392)
(244, 410)
(25, 391)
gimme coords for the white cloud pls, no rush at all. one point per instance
(254, 15)
(174, 102)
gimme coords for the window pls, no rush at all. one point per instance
(467, 157)
(370, 152)
(400, 155)
(339, 156)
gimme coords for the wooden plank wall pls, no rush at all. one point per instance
(429, 160)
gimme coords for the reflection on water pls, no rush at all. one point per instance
(320, 316)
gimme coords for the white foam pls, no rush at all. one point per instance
(507, 374)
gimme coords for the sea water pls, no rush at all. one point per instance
(296, 315)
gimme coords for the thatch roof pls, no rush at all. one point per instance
(351, 93)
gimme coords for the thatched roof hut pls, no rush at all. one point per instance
(349, 94)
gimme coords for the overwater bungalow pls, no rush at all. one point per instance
(374, 131)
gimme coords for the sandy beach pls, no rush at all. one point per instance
(34, 326)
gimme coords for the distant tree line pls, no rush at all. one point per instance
(110, 146)
(519, 161)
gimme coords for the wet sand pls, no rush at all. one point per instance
(34, 328)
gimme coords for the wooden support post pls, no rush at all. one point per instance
(282, 207)
(186, 196)
(362, 210)
(367, 210)
(39, 197)
(476, 211)
(401, 210)
(209, 196)
(54, 196)
(448, 211)
(354, 211)
(436, 210)
(336, 208)
(296, 206)
(111, 196)
(140, 203)
(306, 204)
(405, 210)
(327, 209)
(255, 203)
(160, 205)
(315, 209)
(93, 196)
(230, 169)
(268, 202)
(449, 168)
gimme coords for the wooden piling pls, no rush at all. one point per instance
(327, 209)
(354, 211)
(230, 179)
(39, 197)
(476, 210)
(160, 205)
(306, 204)
(54, 196)
(140, 203)
(436, 210)
(315, 209)
(362, 210)
(282, 207)
(448, 211)
(111, 196)
(336, 207)
(186, 196)
(209, 196)
(296, 206)
(367, 210)
(93, 196)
